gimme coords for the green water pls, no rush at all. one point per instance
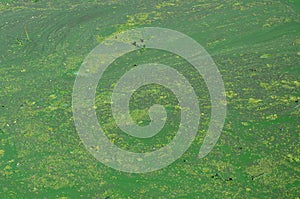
(256, 46)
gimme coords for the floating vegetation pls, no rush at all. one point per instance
(255, 45)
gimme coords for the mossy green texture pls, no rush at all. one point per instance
(255, 44)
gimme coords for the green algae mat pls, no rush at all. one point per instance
(255, 46)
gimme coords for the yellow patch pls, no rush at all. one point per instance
(52, 96)
(254, 101)
(297, 41)
(164, 4)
